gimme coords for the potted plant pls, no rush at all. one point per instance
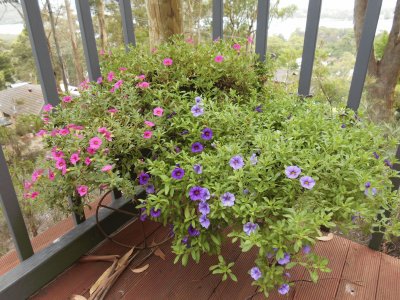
(224, 153)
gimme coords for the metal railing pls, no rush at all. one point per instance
(35, 270)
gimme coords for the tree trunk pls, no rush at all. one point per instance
(74, 44)
(385, 73)
(102, 24)
(58, 51)
(165, 20)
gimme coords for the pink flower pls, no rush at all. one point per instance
(118, 84)
(47, 107)
(63, 131)
(46, 119)
(107, 168)
(110, 76)
(122, 69)
(236, 47)
(51, 175)
(102, 52)
(34, 195)
(100, 80)
(67, 99)
(95, 143)
(167, 61)
(143, 85)
(148, 123)
(158, 111)
(36, 174)
(28, 185)
(250, 40)
(105, 133)
(54, 132)
(189, 40)
(82, 190)
(91, 150)
(57, 154)
(84, 84)
(147, 134)
(141, 77)
(60, 164)
(112, 110)
(112, 90)
(88, 161)
(74, 158)
(219, 58)
(41, 132)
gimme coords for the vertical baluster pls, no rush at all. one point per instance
(364, 52)
(40, 51)
(217, 19)
(88, 40)
(127, 23)
(310, 42)
(12, 212)
(262, 28)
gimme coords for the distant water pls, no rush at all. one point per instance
(14, 29)
(285, 28)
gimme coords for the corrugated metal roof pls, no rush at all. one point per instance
(25, 99)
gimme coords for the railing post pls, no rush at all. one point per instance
(364, 52)
(40, 51)
(217, 19)
(377, 235)
(127, 23)
(88, 40)
(262, 28)
(78, 217)
(310, 42)
(12, 212)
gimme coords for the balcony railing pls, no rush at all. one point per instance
(35, 270)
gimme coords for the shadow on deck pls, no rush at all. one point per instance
(357, 273)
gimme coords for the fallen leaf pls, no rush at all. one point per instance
(326, 237)
(140, 270)
(102, 278)
(159, 253)
(125, 258)
(77, 297)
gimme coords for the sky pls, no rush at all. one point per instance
(335, 4)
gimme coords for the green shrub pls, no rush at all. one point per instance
(219, 148)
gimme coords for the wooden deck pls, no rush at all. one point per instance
(357, 273)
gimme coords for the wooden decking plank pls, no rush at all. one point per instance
(79, 278)
(389, 279)
(336, 251)
(360, 274)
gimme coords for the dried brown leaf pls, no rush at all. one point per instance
(107, 273)
(125, 258)
(77, 297)
(159, 253)
(140, 270)
(326, 237)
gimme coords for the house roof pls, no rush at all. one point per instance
(25, 99)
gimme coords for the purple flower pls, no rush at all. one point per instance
(143, 178)
(171, 115)
(198, 169)
(284, 289)
(236, 162)
(228, 199)
(204, 221)
(150, 189)
(195, 193)
(185, 240)
(374, 191)
(367, 184)
(258, 108)
(388, 163)
(343, 126)
(184, 132)
(307, 182)
(205, 195)
(155, 213)
(250, 227)
(246, 191)
(197, 110)
(287, 274)
(253, 159)
(376, 155)
(306, 249)
(177, 149)
(143, 215)
(193, 231)
(198, 99)
(206, 134)
(204, 208)
(285, 260)
(292, 172)
(197, 147)
(177, 173)
(270, 255)
(255, 273)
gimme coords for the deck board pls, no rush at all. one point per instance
(369, 274)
